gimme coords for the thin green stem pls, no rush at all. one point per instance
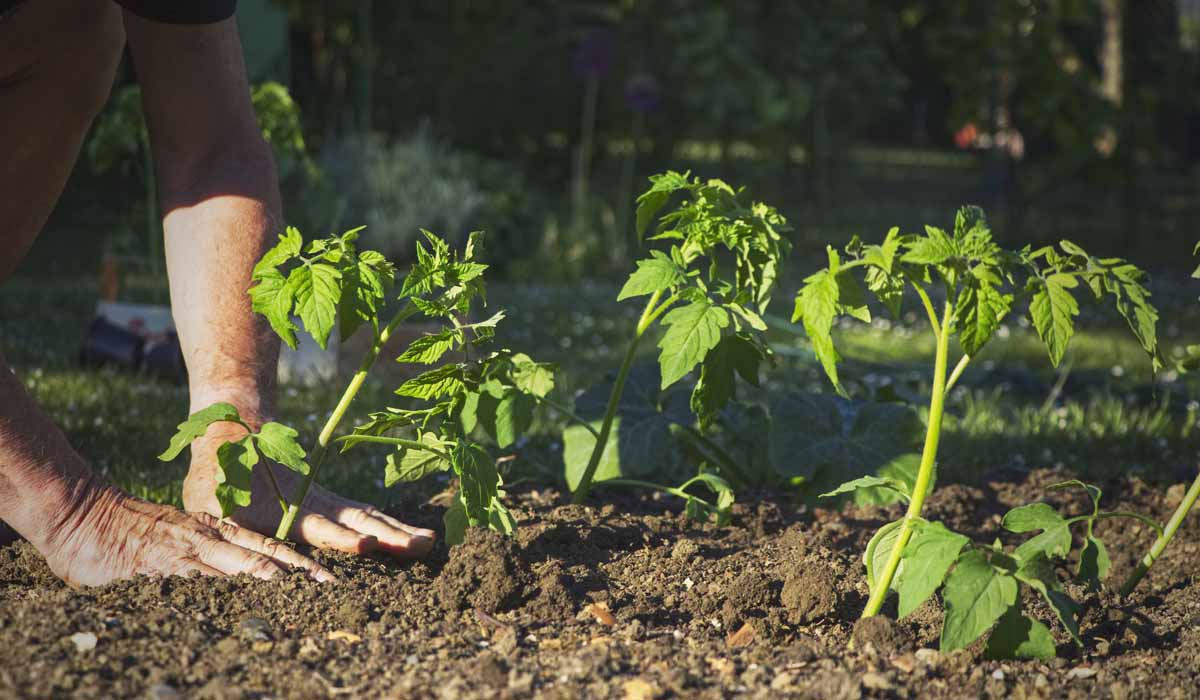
(924, 483)
(317, 456)
(677, 491)
(714, 451)
(958, 370)
(933, 320)
(398, 442)
(570, 414)
(1163, 540)
(1106, 514)
(652, 311)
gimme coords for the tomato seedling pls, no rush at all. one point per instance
(981, 283)
(707, 290)
(330, 282)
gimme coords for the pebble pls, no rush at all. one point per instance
(84, 641)
(927, 656)
(1080, 673)
(783, 681)
(163, 691)
(638, 689)
(254, 629)
(905, 662)
(998, 674)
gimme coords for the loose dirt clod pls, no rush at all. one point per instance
(483, 572)
(882, 633)
(809, 594)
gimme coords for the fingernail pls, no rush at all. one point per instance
(369, 543)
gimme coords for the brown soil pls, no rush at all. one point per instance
(627, 601)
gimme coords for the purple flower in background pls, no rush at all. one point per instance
(642, 93)
(593, 57)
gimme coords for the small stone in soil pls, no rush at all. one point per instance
(1081, 673)
(163, 692)
(254, 629)
(84, 641)
(876, 681)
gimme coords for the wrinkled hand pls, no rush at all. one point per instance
(326, 520)
(110, 535)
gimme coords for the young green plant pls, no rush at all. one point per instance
(979, 284)
(329, 282)
(707, 289)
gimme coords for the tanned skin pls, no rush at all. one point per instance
(218, 187)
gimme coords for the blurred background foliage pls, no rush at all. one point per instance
(539, 121)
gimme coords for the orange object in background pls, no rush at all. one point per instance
(110, 278)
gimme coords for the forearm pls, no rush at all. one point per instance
(222, 214)
(44, 483)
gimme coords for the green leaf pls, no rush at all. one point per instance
(652, 275)
(365, 283)
(505, 418)
(717, 384)
(1053, 310)
(197, 424)
(934, 248)
(441, 381)
(272, 298)
(864, 482)
(533, 378)
(1053, 541)
(1094, 563)
(288, 247)
(317, 290)
(1019, 637)
(640, 443)
(655, 198)
(976, 594)
(235, 460)
(852, 299)
(456, 523)
(888, 288)
(978, 313)
(927, 557)
(411, 464)
(879, 550)
(1038, 573)
(478, 482)
(816, 306)
(278, 443)
(692, 330)
(813, 434)
(431, 347)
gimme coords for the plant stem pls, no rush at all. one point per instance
(925, 475)
(958, 370)
(570, 414)
(652, 311)
(398, 442)
(317, 457)
(714, 451)
(1163, 540)
(678, 492)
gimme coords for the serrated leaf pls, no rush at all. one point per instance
(655, 198)
(235, 460)
(533, 378)
(975, 596)
(365, 283)
(927, 557)
(278, 443)
(289, 245)
(1053, 310)
(478, 482)
(505, 418)
(934, 248)
(866, 482)
(196, 425)
(1019, 637)
(272, 298)
(816, 307)
(410, 464)
(317, 290)
(435, 383)
(978, 312)
(734, 355)
(1092, 491)
(431, 347)
(692, 330)
(888, 288)
(1053, 541)
(652, 275)
(852, 299)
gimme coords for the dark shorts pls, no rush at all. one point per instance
(168, 11)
